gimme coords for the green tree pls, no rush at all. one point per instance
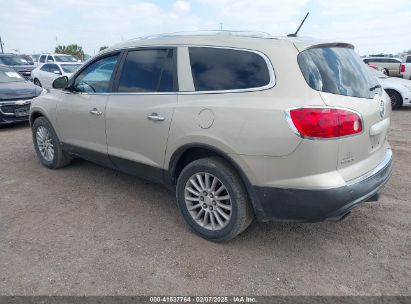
(71, 49)
(103, 48)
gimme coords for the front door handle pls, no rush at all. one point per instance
(155, 117)
(96, 112)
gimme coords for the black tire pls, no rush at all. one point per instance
(37, 82)
(60, 158)
(241, 212)
(396, 99)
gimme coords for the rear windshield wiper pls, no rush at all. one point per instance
(375, 87)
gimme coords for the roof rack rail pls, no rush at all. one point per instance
(250, 34)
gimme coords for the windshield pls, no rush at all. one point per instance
(13, 60)
(65, 58)
(338, 71)
(70, 68)
(9, 75)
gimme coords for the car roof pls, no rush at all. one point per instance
(239, 39)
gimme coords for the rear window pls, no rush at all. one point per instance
(216, 69)
(408, 59)
(338, 71)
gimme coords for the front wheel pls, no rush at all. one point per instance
(213, 199)
(47, 145)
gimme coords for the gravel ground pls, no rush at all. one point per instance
(87, 230)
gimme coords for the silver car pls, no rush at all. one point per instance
(240, 125)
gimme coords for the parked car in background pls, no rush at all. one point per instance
(44, 75)
(35, 58)
(28, 58)
(17, 63)
(406, 67)
(390, 65)
(16, 94)
(398, 89)
(218, 128)
(63, 58)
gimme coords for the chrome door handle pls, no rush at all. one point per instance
(155, 117)
(96, 112)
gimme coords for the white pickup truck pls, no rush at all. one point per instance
(405, 69)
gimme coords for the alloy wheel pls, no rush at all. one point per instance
(45, 144)
(208, 201)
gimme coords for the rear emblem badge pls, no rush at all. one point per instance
(382, 108)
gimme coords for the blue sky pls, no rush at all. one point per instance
(36, 26)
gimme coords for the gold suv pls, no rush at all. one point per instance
(240, 125)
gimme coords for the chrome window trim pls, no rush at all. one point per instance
(270, 67)
(268, 63)
(287, 116)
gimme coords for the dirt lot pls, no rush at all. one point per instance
(87, 230)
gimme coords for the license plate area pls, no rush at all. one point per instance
(22, 112)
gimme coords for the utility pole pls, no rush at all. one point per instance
(221, 26)
(1, 45)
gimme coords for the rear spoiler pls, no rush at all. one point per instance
(302, 45)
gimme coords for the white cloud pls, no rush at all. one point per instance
(265, 15)
(182, 6)
(32, 26)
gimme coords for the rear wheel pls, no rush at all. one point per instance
(37, 82)
(47, 145)
(396, 99)
(213, 199)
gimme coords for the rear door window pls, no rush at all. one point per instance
(217, 69)
(338, 71)
(150, 70)
(42, 58)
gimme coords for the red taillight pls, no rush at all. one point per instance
(402, 68)
(325, 122)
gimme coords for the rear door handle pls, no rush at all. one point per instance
(96, 112)
(155, 117)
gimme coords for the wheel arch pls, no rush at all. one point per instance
(36, 113)
(193, 151)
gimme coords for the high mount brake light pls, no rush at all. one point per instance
(325, 122)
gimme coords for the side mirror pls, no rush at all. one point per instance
(57, 72)
(60, 83)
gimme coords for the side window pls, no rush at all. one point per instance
(147, 71)
(54, 68)
(42, 58)
(408, 59)
(50, 58)
(215, 69)
(95, 78)
(366, 60)
(45, 68)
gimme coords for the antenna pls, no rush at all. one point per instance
(295, 34)
(1, 46)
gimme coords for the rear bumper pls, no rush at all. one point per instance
(318, 205)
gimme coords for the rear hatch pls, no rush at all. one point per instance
(343, 81)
